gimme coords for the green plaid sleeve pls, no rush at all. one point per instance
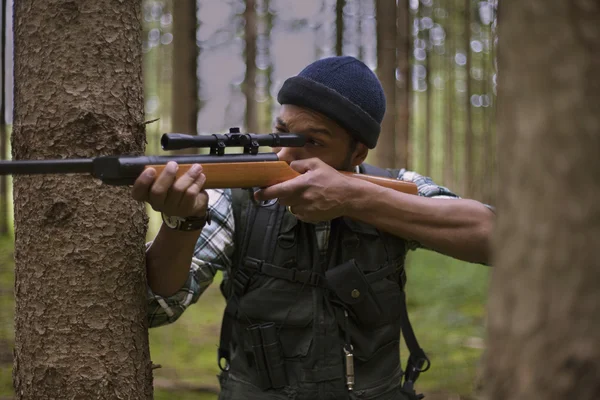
(213, 252)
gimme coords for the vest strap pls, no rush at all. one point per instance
(289, 274)
(417, 361)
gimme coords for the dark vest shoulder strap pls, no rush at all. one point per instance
(418, 361)
(243, 214)
(247, 216)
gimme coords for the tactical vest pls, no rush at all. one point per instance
(301, 324)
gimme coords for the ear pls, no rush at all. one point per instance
(360, 154)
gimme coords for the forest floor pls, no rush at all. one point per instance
(446, 304)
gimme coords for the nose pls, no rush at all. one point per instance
(289, 154)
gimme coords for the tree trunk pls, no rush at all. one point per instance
(403, 91)
(448, 164)
(360, 48)
(184, 105)
(4, 228)
(544, 311)
(487, 177)
(339, 27)
(80, 325)
(385, 12)
(469, 175)
(249, 85)
(269, 18)
(430, 88)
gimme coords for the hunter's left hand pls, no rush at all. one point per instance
(319, 194)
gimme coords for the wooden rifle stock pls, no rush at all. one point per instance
(263, 174)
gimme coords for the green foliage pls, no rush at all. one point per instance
(6, 315)
(447, 301)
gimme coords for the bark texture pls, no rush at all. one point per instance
(544, 311)
(385, 10)
(80, 326)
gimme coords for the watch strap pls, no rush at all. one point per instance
(188, 224)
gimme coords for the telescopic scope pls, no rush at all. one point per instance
(177, 141)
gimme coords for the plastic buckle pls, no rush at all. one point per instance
(293, 277)
(254, 264)
(240, 281)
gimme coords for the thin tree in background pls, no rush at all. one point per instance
(151, 61)
(469, 157)
(80, 280)
(184, 103)
(425, 11)
(164, 66)
(490, 115)
(450, 88)
(266, 68)
(403, 84)
(249, 85)
(4, 228)
(544, 309)
(385, 12)
(339, 27)
(359, 29)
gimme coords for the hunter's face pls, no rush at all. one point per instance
(325, 139)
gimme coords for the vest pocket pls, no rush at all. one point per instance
(290, 310)
(377, 339)
(349, 284)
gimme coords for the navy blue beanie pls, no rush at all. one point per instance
(345, 90)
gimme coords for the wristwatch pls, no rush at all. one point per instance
(186, 224)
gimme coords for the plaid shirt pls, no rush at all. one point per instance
(215, 246)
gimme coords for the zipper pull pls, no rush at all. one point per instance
(349, 359)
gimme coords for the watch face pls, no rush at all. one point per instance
(185, 224)
(171, 222)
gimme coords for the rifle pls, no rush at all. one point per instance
(246, 170)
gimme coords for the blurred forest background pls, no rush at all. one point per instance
(213, 64)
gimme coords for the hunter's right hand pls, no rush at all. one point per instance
(176, 197)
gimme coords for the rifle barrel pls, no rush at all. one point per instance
(28, 167)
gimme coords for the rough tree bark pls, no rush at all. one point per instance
(544, 311)
(249, 85)
(80, 325)
(385, 11)
(184, 105)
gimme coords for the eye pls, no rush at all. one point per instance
(314, 142)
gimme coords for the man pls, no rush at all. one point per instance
(313, 280)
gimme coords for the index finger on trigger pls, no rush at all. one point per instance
(277, 191)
